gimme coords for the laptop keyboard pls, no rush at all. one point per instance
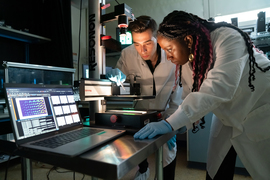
(65, 138)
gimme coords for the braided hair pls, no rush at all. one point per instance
(179, 24)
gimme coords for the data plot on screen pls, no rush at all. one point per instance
(73, 108)
(69, 119)
(66, 109)
(31, 107)
(55, 99)
(61, 121)
(71, 99)
(76, 117)
(58, 110)
(63, 99)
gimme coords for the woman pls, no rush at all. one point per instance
(221, 72)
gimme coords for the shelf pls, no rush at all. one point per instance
(21, 36)
(5, 157)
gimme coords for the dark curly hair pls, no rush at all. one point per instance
(179, 24)
(143, 23)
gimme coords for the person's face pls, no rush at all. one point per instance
(145, 44)
(177, 51)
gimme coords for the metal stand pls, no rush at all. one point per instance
(26, 169)
(159, 163)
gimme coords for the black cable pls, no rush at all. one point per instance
(133, 105)
(117, 1)
(6, 171)
(78, 66)
(53, 168)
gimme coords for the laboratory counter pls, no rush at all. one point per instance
(111, 160)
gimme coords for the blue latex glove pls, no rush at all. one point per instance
(116, 75)
(171, 143)
(152, 129)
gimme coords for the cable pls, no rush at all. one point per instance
(74, 175)
(117, 1)
(78, 66)
(53, 168)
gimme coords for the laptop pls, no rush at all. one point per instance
(43, 117)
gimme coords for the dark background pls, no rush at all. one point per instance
(47, 18)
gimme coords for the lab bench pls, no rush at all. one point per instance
(116, 157)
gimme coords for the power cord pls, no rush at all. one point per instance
(50, 172)
(54, 168)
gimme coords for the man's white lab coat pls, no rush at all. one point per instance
(241, 117)
(131, 63)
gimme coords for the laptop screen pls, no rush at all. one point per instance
(41, 109)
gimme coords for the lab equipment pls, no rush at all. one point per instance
(116, 110)
(135, 88)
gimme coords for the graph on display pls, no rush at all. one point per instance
(33, 107)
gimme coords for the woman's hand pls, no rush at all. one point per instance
(152, 129)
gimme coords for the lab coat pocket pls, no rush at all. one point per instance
(257, 124)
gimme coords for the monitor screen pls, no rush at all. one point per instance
(38, 110)
(261, 22)
(126, 40)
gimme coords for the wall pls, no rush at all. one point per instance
(235, 6)
(75, 25)
(41, 18)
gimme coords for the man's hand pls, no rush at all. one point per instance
(152, 129)
(116, 75)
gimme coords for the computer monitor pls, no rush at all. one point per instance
(234, 21)
(261, 22)
(124, 40)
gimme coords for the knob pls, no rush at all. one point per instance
(159, 115)
(113, 118)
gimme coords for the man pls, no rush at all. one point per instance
(147, 61)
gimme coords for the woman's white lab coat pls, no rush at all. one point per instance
(131, 63)
(241, 117)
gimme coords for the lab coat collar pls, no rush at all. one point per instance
(163, 56)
